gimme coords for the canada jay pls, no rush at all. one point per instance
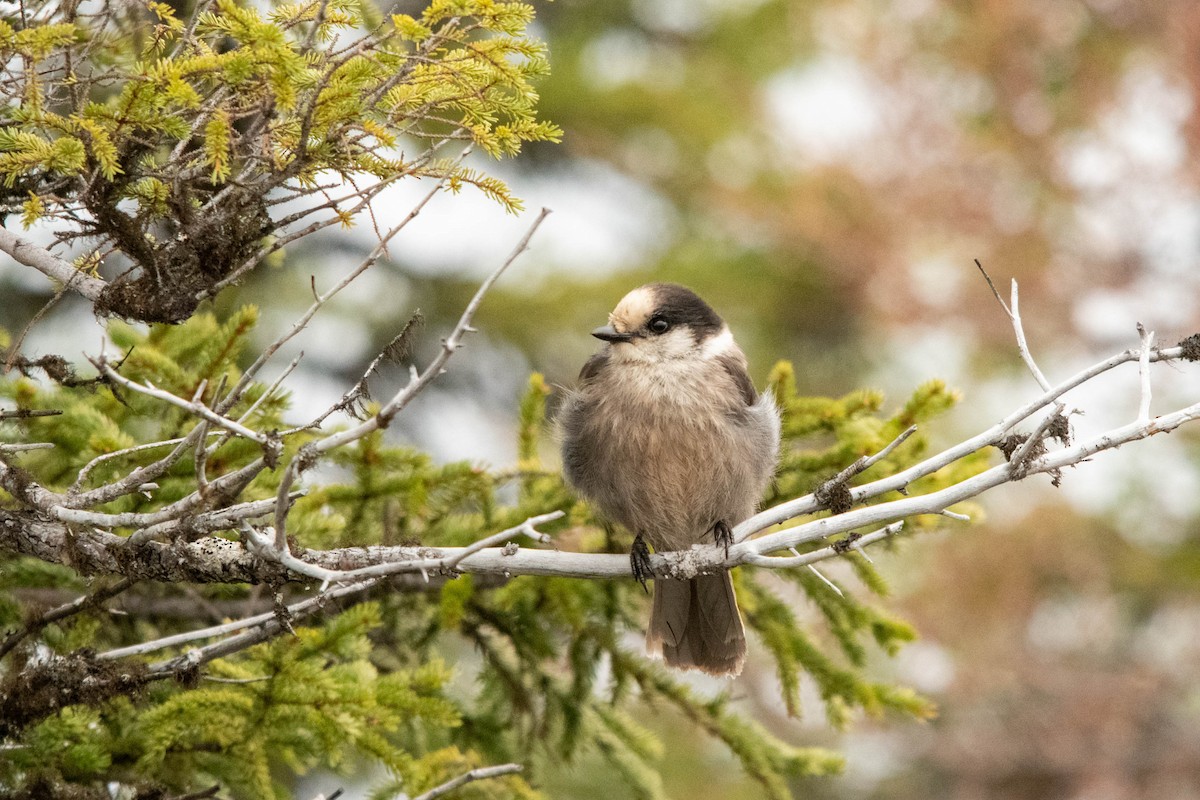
(667, 436)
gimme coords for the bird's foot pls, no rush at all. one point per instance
(723, 535)
(639, 560)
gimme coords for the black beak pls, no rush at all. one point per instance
(609, 334)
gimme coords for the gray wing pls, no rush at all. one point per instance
(760, 416)
(579, 447)
(736, 369)
(593, 366)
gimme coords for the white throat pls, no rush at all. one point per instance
(720, 345)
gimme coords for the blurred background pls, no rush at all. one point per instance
(824, 173)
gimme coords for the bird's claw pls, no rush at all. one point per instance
(639, 560)
(723, 535)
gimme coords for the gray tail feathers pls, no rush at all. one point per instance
(694, 624)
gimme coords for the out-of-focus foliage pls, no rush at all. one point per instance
(554, 676)
(866, 144)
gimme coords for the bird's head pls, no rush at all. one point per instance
(662, 322)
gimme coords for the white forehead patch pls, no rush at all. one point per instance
(719, 345)
(633, 310)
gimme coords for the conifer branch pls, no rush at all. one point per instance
(62, 612)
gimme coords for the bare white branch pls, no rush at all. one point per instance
(1144, 371)
(81, 479)
(808, 504)
(192, 406)
(219, 520)
(1020, 455)
(24, 448)
(1013, 312)
(807, 559)
(269, 546)
(483, 773)
(270, 390)
(200, 461)
(175, 640)
(836, 589)
(41, 259)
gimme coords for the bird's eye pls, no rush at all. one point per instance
(658, 325)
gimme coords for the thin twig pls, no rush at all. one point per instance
(812, 568)
(220, 520)
(14, 349)
(300, 324)
(1022, 345)
(480, 774)
(82, 477)
(128, 483)
(866, 462)
(200, 461)
(1144, 372)
(192, 406)
(270, 390)
(838, 548)
(62, 612)
(1020, 457)
(26, 413)
(267, 626)
(1014, 315)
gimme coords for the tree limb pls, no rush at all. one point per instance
(219, 560)
(26, 252)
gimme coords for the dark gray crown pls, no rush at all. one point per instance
(679, 305)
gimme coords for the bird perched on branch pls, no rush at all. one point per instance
(667, 436)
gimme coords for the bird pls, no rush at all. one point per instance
(665, 434)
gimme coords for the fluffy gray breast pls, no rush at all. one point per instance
(669, 449)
